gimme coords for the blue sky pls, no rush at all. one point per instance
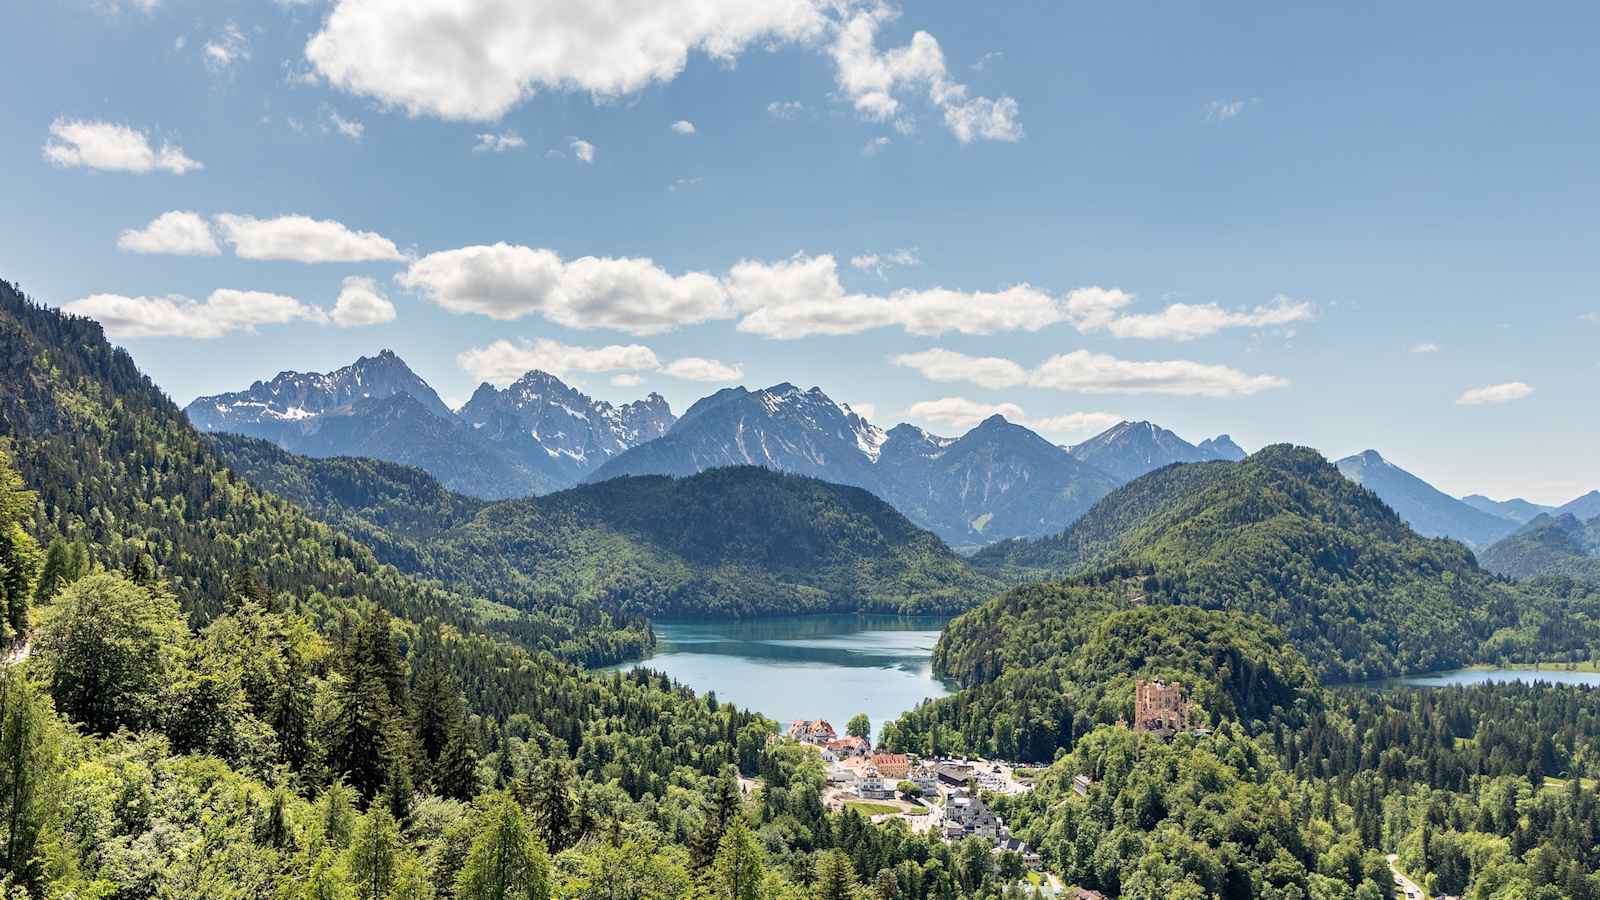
(1366, 227)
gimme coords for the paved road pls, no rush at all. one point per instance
(1408, 888)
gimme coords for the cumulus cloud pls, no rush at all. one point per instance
(179, 233)
(1097, 309)
(1101, 373)
(961, 414)
(222, 312)
(229, 48)
(303, 239)
(583, 150)
(362, 302)
(109, 147)
(499, 142)
(1495, 394)
(683, 126)
(476, 59)
(506, 282)
(943, 365)
(504, 361)
(880, 263)
(802, 296)
(698, 368)
(872, 78)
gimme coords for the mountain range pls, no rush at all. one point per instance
(532, 437)
(999, 480)
(1557, 544)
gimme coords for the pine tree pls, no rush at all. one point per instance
(373, 852)
(506, 861)
(547, 786)
(27, 766)
(19, 555)
(456, 774)
(291, 711)
(64, 562)
(836, 877)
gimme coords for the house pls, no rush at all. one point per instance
(849, 746)
(891, 765)
(1086, 894)
(1160, 708)
(925, 777)
(1081, 785)
(1030, 856)
(812, 731)
(873, 786)
(974, 816)
(838, 774)
(954, 774)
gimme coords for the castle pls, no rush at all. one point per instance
(1160, 708)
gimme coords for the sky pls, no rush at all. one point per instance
(1369, 226)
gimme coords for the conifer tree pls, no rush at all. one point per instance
(738, 869)
(836, 877)
(506, 861)
(373, 852)
(19, 554)
(28, 752)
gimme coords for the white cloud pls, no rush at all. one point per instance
(1425, 348)
(1589, 317)
(222, 312)
(349, 128)
(627, 379)
(503, 361)
(303, 239)
(583, 150)
(227, 49)
(476, 59)
(785, 109)
(943, 365)
(683, 184)
(802, 296)
(698, 368)
(984, 60)
(871, 79)
(879, 264)
(362, 302)
(109, 147)
(1186, 321)
(1101, 373)
(505, 281)
(683, 126)
(961, 413)
(875, 146)
(1219, 111)
(1495, 394)
(179, 233)
(492, 142)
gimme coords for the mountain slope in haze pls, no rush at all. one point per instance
(1583, 508)
(731, 541)
(1131, 449)
(1517, 509)
(999, 480)
(1284, 535)
(1558, 545)
(1429, 511)
(535, 436)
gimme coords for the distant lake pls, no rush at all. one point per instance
(806, 667)
(1487, 676)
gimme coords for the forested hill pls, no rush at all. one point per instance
(118, 469)
(733, 541)
(1557, 545)
(1284, 535)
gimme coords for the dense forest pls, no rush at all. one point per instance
(1283, 535)
(727, 542)
(1549, 546)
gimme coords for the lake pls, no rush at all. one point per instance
(806, 667)
(1488, 676)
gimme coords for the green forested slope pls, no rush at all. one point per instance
(734, 541)
(1285, 536)
(1549, 545)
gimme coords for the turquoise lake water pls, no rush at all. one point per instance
(806, 667)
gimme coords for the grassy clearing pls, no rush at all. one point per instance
(867, 808)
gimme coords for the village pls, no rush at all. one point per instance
(946, 795)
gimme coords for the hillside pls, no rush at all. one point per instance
(733, 541)
(1285, 536)
(1557, 545)
(1429, 511)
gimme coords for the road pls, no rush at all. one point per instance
(1410, 889)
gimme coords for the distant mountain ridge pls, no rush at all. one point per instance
(999, 480)
(1131, 449)
(1429, 511)
(535, 436)
(1551, 544)
(1517, 509)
